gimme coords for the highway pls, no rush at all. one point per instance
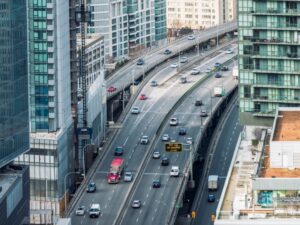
(160, 100)
(219, 166)
(158, 203)
(124, 76)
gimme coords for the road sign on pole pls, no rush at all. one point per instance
(173, 147)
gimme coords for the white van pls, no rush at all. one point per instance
(95, 211)
(174, 171)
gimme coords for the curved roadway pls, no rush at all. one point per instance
(160, 101)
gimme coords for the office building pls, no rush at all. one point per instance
(262, 186)
(51, 139)
(269, 48)
(14, 117)
(128, 26)
(199, 15)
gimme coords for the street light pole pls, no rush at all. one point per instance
(210, 92)
(66, 186)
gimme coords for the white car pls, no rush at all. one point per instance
(144, 140)
(165, 137)
(135, 110)
(174, 65)
(128, 177)
(156, 155)
(191, 37)
(229, 51)
(80, 211)
(173, 122)
(195, 71)
(189, 140)
(208, 70)
(136, 204)
(183, 59)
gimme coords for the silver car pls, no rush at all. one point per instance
(165, 137)
(80, 211)
(156, 155)
(136, 204)
(144, 140)
(128, 176)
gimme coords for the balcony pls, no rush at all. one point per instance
(276, 26)
(276, 41)
(274, 84)
(276, 99)
(274, 70)
(277, 12)
(260, 55)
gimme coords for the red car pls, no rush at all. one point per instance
(111, 89)
(143, 97)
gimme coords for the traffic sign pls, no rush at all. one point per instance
(173, 147)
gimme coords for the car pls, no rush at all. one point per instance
(111, 89)
(191, 37)
(172, 141)
(144, 140)
(153, 83)
(217, 65)
(211, 198)
(198, 103)
(218, 75)
(128, 176)
(119, 151)
(80, 211)
(203, 113)
(143, 97)
(173, 122)
(229, 51)
(135, 110)
(156, 155)
(174, 65)
(189, 140)
(164, 161)
(167, 52)
(195, 71)
(224, 68)
(182, 131)
(140, 62)
(183, 59)
(136, 204)
(91, 187)
(156, 184)
(165, 137)
(136, 82)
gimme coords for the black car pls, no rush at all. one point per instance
(119, 151)
(136, 82)
(164, 161)
(217, 65)
(91, 187)
(211, 198)
(198, 103)
(156, 184)
(140, 62)
(224, 68)
(182, 131)
(167, 52)
(218, 75)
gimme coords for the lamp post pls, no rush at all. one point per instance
(66, 186)
(191, 150)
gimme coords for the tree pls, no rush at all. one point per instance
(185, 30)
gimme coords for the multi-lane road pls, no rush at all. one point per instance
(160, 100)
(131, 71)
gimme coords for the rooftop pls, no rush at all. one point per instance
(287, 126)
(7, 179)
(267, 172)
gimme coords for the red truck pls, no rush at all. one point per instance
(115, 172)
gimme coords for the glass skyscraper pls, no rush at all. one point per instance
(269, 58)
(14, 119)
(160, 20)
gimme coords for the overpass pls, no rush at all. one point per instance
(125, 76)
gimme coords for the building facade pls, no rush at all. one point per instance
(199, 15)
(14, 125)
(14, 114)
(51, 140)
(269, 49)
(128, 26)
